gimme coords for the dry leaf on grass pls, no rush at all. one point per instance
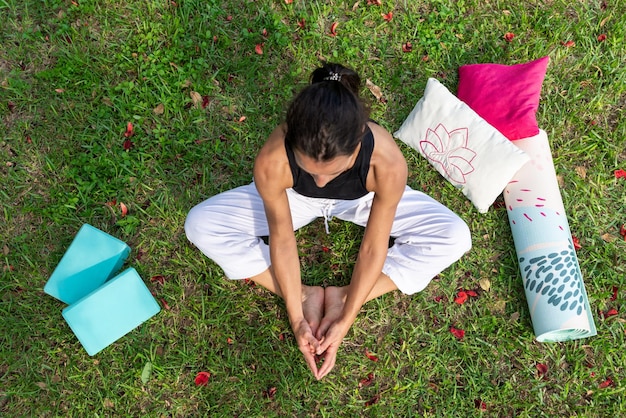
(196, 98)
(374, 89)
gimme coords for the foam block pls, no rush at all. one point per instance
(92, 258)
(111, 311)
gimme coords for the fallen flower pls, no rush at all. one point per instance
(372, 401)
(270, 392)
(568, 44)
(620, 174)
(129, 130)
(614, 295)
(288, 1)
(458, 333)
(509, 36)
(387, 16)
(258, 48)
(202, 378)
(158, 279)
(480, 404)
(602, 37)
(128, 144)
(542, 369)
(610, 312)
(370, 356)
(124, 209)
(165, 305)
(461, 297)
(576, 243)
(333, 29)
(407, 47)
(374, 3)
(622, 231)
(205, 101)
(325, 249)
(608, 382)
(366, 381)
(301, 23)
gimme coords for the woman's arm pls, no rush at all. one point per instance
(387, 178)
(272, 176)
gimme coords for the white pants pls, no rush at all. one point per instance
(428, 236)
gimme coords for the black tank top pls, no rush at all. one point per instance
(349, 185)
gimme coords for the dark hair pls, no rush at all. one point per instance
(327, 118)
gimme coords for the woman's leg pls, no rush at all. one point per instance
(429, 237)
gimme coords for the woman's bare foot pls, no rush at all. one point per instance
(334, 299)
(313, 305)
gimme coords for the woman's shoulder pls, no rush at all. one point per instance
(387, 158)
(271, 161)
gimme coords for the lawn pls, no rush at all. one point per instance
(124, 115)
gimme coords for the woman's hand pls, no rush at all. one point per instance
(308, 344)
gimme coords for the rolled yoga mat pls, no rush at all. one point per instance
(555, 292)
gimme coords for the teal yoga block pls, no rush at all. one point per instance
(91, 259)
(112, 311)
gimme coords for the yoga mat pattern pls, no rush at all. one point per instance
(555, 292)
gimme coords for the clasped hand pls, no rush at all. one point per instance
(320, 351)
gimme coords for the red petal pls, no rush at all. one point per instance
(471, 293)
(270, 392)
(509, 36)
(202, 378)
(288, 1)
(258, 49)
(165, 305)
(438, 299)
(568, 44)
(158, 279)
(541, 368)
(622, 231)
(301, 23)
(325, 249)
(610, 312)
(461, 297)
(480, 404)
(229, 340)
(387, 16)
(602, 37)
(11, 106)
(372, 401)
(620, 174)
(608, 382)
(366, 381)
(614, 296)
(370, 355)
(129, 130)
(407, 47)
(458, 333)
(333, 29)
(124, 209)
(576, 243)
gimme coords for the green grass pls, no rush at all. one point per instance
(73, 74)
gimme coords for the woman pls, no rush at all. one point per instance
(328, 160)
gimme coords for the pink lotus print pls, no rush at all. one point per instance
(449, 150)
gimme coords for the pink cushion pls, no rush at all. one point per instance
(506, 96)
